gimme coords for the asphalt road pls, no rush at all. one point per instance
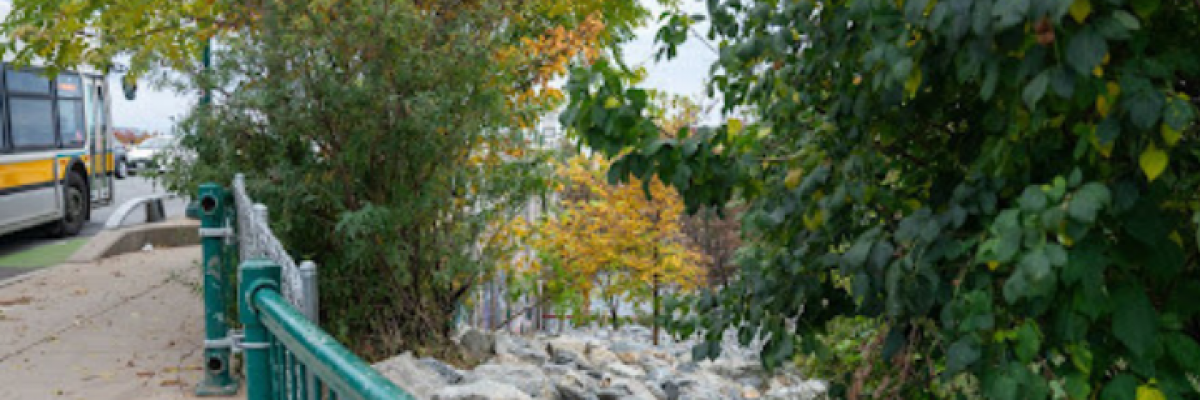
(126, 189)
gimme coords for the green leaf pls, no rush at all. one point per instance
(1153, 162)
(1002, 387)
(1062, 82)
(1075, 178)
(1007, 245)
(1135, 322)
(1178, 113)
(1028, 342)
(1032, 199)
(1081, 357)
(962, 354)
(1084, 257)
(1035, 89)
(857, 255)
(1077, 386)
(1123, 387)
(1016, 287)
(1144, 8)
(1036, 265)
(1145, 107)
(1127, 20)
(1184, 350)
(1085, 51)
(1108, 131)
(1009, 13)
(1087, 201)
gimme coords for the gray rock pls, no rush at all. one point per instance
(528, 378)
(623, 370)
(573, 385)
(806, 390)
(636, 389)
(567, 392)
(510, 343)
(658, 374)
(688, 367)
(625, 346)
(411, 375)
(756, 382)
(598, 354)
(657, 391)
(450, 374)
(481, 390)
(478, 344)
(556, 370)
(671, 389)
(613, 393)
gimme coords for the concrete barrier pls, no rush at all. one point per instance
(154, 210)
(111, 242)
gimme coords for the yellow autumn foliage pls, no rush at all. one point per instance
(611, 240)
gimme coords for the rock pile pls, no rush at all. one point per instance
(595, 364)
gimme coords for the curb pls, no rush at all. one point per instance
(108, 243)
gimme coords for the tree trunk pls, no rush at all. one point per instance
(655, 313)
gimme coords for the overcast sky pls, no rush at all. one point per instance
(157, 110)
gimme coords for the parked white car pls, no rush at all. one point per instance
(147, 155)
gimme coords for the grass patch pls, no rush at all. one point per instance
(44, 255)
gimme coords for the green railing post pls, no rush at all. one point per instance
(256, 275)
(217, 379)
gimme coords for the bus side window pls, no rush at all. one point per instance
(70, 122)
(32, 122)
(70, 110)
(31, 110)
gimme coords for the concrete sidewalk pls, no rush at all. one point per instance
(126, 327)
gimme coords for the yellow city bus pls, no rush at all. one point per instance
(55, 149)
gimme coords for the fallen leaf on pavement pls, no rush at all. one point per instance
(171, 382)
(20, 301)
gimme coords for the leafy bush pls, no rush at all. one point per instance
(372, 136)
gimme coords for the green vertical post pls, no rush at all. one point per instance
(256, 275)
(217, 378)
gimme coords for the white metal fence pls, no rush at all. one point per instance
(256, 240)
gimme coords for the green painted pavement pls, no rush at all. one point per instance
(44, 255)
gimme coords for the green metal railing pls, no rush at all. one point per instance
(287, 356)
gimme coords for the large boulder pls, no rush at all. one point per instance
(624, 370)
(530, 379)
(633, 389)
(450, 374)
(480, 390)
(599, 354)
(574, 385)
(702, 385)
(412, 375)
(629, 352)
(521, 348)
(478, 344)
(567, 351)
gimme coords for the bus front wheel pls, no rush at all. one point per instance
(75, 207)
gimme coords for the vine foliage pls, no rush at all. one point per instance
(1008, 187)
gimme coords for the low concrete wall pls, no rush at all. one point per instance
(111, 242)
